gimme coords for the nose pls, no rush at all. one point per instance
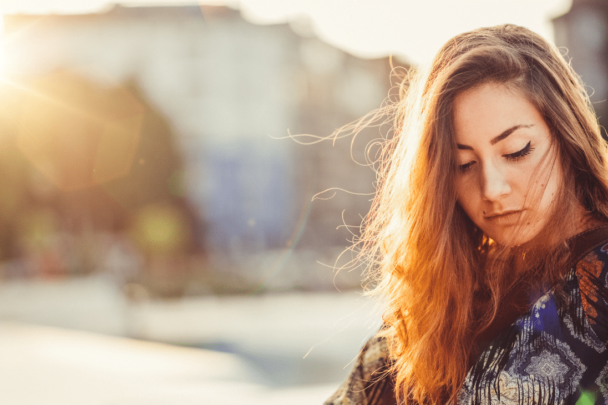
(494, 182)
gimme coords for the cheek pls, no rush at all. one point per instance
(545, 181)
(468, 200)
(550, 192)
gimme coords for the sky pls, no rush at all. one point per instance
(410, 29)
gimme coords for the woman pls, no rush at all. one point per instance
(488, 233)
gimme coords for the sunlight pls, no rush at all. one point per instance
(2, 58)
(2, 53)
(411, 29)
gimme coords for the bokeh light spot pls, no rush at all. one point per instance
(160, 228)
(78, 133)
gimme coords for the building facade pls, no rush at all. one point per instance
(232, 92)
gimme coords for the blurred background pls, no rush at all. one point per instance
(159, 242)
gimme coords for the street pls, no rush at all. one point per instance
(98, 348)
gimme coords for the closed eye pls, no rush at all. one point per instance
(520, 154)
(463, 168)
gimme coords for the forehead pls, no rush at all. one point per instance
(489, 109)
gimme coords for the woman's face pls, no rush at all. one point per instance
(508, 174)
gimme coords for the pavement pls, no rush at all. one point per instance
(81, 342)
(44, 365)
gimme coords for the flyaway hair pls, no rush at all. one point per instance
(445, 280)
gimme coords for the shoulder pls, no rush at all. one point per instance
(592, 275)
(369, 380)
(592, 269)
(374, 356)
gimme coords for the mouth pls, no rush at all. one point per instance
(504, 217)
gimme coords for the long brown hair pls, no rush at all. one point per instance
(428, 258)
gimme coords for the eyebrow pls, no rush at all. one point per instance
(498, 138)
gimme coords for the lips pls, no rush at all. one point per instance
(504, 217)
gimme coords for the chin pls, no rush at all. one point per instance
(515, 238)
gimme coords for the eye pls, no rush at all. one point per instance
(520, 154)
(465, 167)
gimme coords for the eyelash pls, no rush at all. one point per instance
(512, 156)
(463, 168)
(522, 153)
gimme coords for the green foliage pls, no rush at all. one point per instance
(587, 398)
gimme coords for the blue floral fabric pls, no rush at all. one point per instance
(557, 353)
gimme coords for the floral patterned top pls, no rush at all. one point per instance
(556, 353)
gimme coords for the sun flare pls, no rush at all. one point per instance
(2, 52)
(2, 58)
